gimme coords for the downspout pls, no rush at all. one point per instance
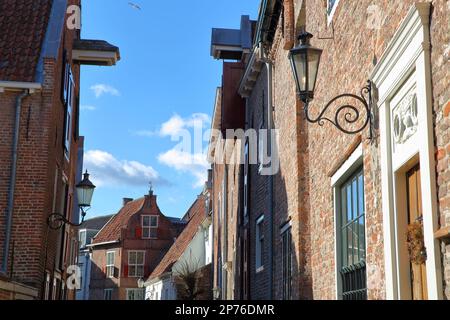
(12, 184)
(269, 67)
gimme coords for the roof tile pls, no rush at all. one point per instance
(197, 214)
(23, 24)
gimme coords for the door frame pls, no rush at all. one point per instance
(408, 54)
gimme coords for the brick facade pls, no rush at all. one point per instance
(311, 154)
(123, 233)
(40, 154)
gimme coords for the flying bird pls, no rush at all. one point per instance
(134, 6)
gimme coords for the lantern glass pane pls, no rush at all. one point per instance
(84, 196)
(313, 68)
(299, 64)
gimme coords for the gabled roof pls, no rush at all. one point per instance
(96, 223)
(23, 25)
(112, 230)
(197, 214)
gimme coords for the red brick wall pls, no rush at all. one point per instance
(40, 151)
(349, 62)
(155, 250)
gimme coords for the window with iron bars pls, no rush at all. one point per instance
(352, 238)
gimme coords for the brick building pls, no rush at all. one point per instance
(129, 247)
(40, 59)
(188, 257)
(339, 206)
(86, 232)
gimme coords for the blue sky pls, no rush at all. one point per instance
(165, 81)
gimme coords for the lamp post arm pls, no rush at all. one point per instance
(56, 220)
(351, 113)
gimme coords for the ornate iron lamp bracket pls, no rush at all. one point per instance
(56, 220)
(351, 113)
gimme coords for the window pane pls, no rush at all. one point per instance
(355, 199)
(361, 195)
(349, 244)
(154, 221)
(344, 247)
(132, 257)
(145, 221)
(146, 233)
(140, 258)
(349, 203)
(362, 237)
(343, 207)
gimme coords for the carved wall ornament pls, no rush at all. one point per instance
(405, 118)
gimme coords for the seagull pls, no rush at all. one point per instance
(134, 6)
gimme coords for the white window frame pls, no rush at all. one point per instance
(348, 168)
(331, 13)
(259, 250)
(134, 291)
(150, 227)
(110, 268)
(136, 265)
(408, 52)
(82, 239)
(107, 293)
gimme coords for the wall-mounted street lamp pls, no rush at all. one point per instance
(85, 190)
(305, 61)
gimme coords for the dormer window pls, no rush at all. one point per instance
(149, 227)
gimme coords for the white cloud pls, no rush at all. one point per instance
(175, 125)
(88, 107)
(107, 170)
(195, 164)
(101, 89)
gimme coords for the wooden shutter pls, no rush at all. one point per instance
(138, 232)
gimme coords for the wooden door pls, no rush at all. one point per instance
(415, 214)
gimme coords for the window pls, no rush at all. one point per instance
(286, 247)
(47, 286)
(352, 238)
(135, 294)
(136, 263)
(262, 147)
(82, 238)
(260, 244)
(246, 173)
(69, 100)
(331, 8)
(107, 294)
(149, 227)
(81, 266)
(110, 257)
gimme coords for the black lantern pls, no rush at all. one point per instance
(85, 191)
(305, 61)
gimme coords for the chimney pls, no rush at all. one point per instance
(126, 200)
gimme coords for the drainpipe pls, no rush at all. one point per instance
(12, 184)
(269, 67)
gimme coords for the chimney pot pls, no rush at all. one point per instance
(127, 200)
